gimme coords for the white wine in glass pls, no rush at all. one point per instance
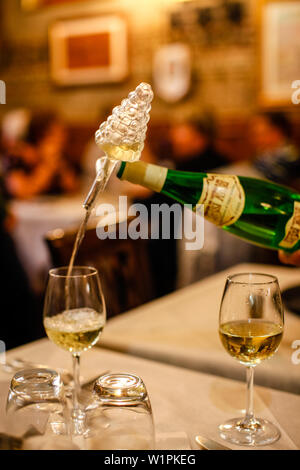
(250, 329)
(75, 330)
(78, 327)
(251, 341)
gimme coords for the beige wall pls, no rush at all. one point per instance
(224, 77)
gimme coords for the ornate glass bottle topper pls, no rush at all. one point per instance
(122, 136)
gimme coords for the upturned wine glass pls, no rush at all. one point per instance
(250, 327)
(36, 410)
(119, 415)
(74, 317)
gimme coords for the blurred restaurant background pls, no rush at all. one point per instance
(225, 76)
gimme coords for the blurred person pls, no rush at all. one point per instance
(276, 157)
(193, 146)
(37, 165)
(20, 322)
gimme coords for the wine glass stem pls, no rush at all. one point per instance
(249, 417)
(76, 377)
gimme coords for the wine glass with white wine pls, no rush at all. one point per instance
(74, 317)
(250, 327)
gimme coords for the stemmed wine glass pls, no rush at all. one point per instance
(74, 317)
(250, 327)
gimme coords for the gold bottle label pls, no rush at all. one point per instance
(223, 198)
(292, 229)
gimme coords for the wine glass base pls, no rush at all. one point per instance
(260, 433)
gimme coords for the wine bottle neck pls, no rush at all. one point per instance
(146, 174)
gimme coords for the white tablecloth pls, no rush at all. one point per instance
(183, 401)
(182, 329)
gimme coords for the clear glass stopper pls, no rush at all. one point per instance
(123, 134)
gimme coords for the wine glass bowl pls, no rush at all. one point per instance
(74, 315)
(250, 328)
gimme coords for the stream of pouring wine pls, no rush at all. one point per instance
(97, 187)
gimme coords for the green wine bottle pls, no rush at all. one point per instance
(259, 211)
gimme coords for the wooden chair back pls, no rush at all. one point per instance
(123, 265)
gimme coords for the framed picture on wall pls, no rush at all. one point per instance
(280, 51)
(89, 50)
